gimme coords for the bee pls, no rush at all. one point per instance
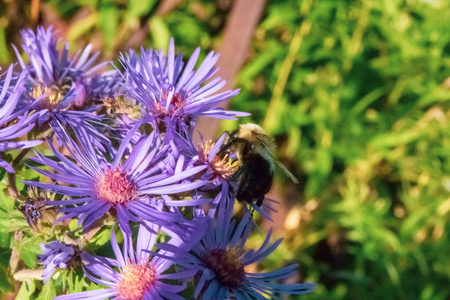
(35, 210)
(32, 210)
(254, 149)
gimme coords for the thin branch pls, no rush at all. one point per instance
(19, 157)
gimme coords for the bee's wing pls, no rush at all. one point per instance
(286, 171)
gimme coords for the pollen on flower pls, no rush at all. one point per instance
(114, 186)
(226, 265)
(136, 280)
(222, 166)
(52, 96)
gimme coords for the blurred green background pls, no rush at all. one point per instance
(356, 95)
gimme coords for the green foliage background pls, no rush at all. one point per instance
(356, 94)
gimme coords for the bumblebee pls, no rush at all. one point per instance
(254, 149)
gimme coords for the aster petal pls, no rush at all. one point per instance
(278, 274)
(211, 291)
(201, 283)
(124, 216)
(71, 202)
(246, 221)
(95, 279)
(89, 295)
(7, 166)
(168, 287)
(99, 266)
(124, 144)
(175, 178)
(150, 213)
(94, 216)
(116, 249)
(146, 240)
(193, 202)
(175, 188)
(178, 275)
(187, 73)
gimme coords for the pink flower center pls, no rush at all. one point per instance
(114, 186)
(136, 280)
(176, 103)
(227, 266)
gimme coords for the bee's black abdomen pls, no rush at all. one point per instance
(255, 180)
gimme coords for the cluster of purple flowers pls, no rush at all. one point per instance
(123, 150)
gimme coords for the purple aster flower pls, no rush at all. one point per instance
(130, 186)
(55, 70)
(56, 255)
(173, 94)
(134, 275)
(13, 122)
(62, 85)
(221, 260)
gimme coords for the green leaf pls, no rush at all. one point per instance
(6, 280)
(4, 45)
(26, 290)
(12, 222)
(5, 240)
(6, 202)
(75, 280)
(99, 239)
(138, 8)
(2, 173)
(48, 292)
(108, 20)
(160, 33)
(29, 249)
(82, 27)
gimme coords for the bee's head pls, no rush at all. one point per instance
(256, 136)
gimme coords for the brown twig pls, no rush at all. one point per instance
(35, 10)
(238, 32)
(12, 187)
(19, 157)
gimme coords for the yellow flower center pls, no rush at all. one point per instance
(222, 166)
(52, 96)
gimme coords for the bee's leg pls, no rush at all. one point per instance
(251, 212)
(227, 133)
(227, 143)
